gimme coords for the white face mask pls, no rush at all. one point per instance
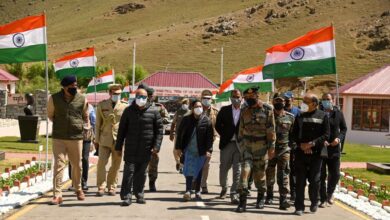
(184, 107)
(141, 102)
(198, 111)
(206, 102)
(304, 107)
(115, 98)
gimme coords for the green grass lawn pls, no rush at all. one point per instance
(11, 144)
(9, 162)
(370, 175)
(365, 153)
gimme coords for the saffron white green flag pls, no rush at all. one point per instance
(102, 82)
(243, 80)
(23, 40)
(81, 64)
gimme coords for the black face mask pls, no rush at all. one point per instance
(72, 91)
(251, 101)
(278, 106)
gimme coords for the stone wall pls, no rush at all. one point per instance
(13, 111)
(41, 103)
(3, 98)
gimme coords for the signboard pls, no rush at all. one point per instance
(178, 91)
(16, 99)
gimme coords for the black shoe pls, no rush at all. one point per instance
(283, 204)
(126, 202)
(181, 170)
(322, 205)
(223, 193)
(269, 199)
(141, 200)
(260, 201)
(242, 204)
(205, 190)
(177, 166)
(292, 197)
(234, 200)
(198, 196)
(313, 208)
(152, 186)
(84, 188)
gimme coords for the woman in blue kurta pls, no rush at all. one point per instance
(195, 142)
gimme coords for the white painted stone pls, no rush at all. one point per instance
(353, 194)
(363, 198)
(387, 208)
(19, 169)
(343, 190)
(23, 185)
(375, 203)
(349, 177)
(5, 175)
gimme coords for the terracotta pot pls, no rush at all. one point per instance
(17, 183)
(350, 188)
(346, 174)
(372, 183)
(22, 164)
(28, 161)
(34, 159)
(13, 167)
(360, 192)
(342, 184)
(7, 170)
(385, 203)
(383, 187)
(39, 173)
(6, 188)
(371, 196)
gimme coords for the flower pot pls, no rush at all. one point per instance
(342, 184)
(372, 184)
(7, 170)
(13, 167)
(360, 192)
(6, 188)
(350, 188)
(17, 183)
(27, 180)
(371, 196)
(28, 161)
(34, 159)
(385, 203)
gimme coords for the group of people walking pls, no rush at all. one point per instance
(262, 143)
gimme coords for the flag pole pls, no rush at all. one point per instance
(221, 65)
(47, 96)
(113, 75)
(94, 78)
(337, 75)
(133, 79)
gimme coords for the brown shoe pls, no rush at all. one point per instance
(111, 192)
(80, 195)
(56, 200)
(100, 193)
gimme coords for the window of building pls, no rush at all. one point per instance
(371, 115)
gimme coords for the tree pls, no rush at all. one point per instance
(16, 69)
(120, 79)
(140, 73)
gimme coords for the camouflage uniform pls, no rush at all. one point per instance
(284, 124)
(257, 136)
(153, 164)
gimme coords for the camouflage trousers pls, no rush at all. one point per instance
(153, 167)
(281, 163)
(254, 158)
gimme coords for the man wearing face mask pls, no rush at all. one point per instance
(338, 130)
(311, 130)
(153, 165)
(68, 110)
(289, 107)
(256, 136)
(141, 130)
(211, 113)
(283, 125)
(228, 121)
(109, 113)
(177, 118)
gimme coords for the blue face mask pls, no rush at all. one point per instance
(327, 105)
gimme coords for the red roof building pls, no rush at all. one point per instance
(7, 81)
(366, 107)
(183, 84)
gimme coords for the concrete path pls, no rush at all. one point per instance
(14, 130)
(167, 203)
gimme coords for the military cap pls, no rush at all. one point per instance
(278, 96)
(251, 90)
(185, 100)
(207, 94)
(115, 88)
(68, 80)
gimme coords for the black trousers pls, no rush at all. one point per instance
(84, 163)
(133, 181)
(333, 165)
(307, 167)
(292, 176)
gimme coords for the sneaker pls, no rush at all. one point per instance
(298, 212)
(187, 196)
(56, 201)
(205, 190)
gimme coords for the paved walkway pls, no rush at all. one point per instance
(14, 130)
(167, 202)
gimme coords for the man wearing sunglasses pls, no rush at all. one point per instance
(141, 130)
(311, 130)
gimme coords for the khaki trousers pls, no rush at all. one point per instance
(61, 149)
(109, 180)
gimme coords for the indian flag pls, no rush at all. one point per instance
(126, 92)
(81, 64)
(23, 40)
(308, 55)
(102, 82)
(243, 80)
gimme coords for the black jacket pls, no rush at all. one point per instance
(204, 133)
(311, 126)
(225, 126)
(141, 130)
(338, 129)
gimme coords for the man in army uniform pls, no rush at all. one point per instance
(283, 125)
(257, 144)
(108, 116)
(180, 113)
(211, 112)
(153, 164)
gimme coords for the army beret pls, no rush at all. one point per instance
(251, 90)
(68, 80)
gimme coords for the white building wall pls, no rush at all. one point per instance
(3, 86)
(362, 137)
